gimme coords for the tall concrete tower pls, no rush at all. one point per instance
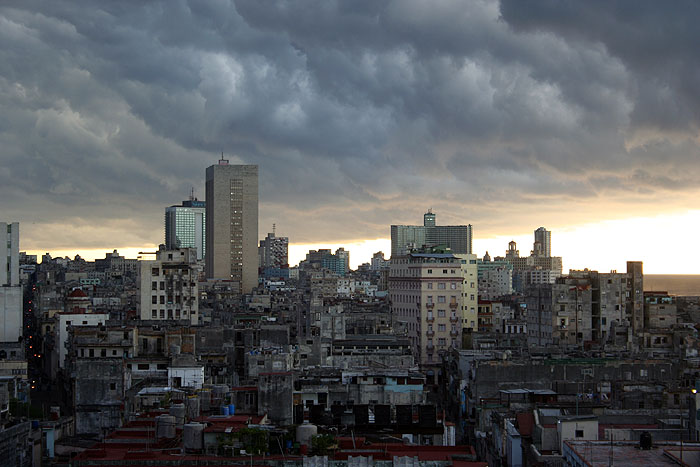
(232, 224)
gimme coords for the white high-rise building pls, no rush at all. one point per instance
(232, 224)
(10, 289)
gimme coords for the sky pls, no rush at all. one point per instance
(582, 117)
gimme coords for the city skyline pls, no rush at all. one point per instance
(497, 115)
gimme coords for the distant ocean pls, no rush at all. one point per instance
(674, 284)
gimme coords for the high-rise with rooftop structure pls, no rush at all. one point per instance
(185, 226)
(405, 238)
(232, 224)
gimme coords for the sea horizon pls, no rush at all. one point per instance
(674, 284)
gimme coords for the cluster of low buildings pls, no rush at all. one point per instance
(432, 357)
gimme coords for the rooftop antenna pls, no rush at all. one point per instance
(192, 198)
(223, 161)
(274, 229)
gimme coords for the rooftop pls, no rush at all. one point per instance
(603, 453)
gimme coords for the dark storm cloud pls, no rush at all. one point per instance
(360, 114)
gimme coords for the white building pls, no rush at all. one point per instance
(74, 318)
(577, 428)
(184, 372)
(378, 262)
(169, 286)
(10, 289)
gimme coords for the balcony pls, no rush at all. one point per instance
(454, 304)
(430, 318)
(430, 305)
(454, 319)
(429, 346)
(454, 333)
(430, 333)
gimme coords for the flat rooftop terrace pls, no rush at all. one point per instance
(603, 453)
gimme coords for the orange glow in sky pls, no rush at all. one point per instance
(665, 243)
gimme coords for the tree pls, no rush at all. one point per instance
(321, 444)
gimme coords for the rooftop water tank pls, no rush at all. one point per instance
(305, 432)
(193, 436)
(192, 404)
(178, 411)
(165, 426)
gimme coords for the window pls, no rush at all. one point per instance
(430, 285)
(441, 285)
(441, 299)
(430, 271)
(154, 285)
(441, 313)
(444, 271)
(144, 366)
(155, 272)
(92, 352)
(103, 353)
(441, 327)
(453, 286)
(112, 386)
(579, 433)
(154, 300)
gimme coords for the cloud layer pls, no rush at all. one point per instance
(360, 114)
